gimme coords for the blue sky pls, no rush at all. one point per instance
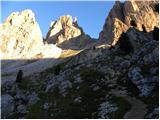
(91, 15)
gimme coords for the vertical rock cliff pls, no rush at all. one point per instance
(21, 35)
(21, 38)
(143, 13)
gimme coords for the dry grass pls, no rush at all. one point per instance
(69, 53)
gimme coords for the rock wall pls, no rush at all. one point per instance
(22, 38)
(142, 12)
(21, 35)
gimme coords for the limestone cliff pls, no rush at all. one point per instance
(21, 38)
(143, 13)
(66, 34)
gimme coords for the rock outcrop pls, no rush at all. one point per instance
(66, 34)
(7, 106)
(21, 38)
(63, 29)
(142, 12)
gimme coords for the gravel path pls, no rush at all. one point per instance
(138, 109)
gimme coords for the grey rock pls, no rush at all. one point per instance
(95, 88)
(21, 109)
(33, 98)
(77, 100)
(145, 85)
(7, 105)
(145, 88)
(105, 109)
(154, 70)
(65, 84)
(134, 74)
(46, 106)
(20, 98)
(154, 114)
(125, 64)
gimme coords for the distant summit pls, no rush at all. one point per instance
(66, 33)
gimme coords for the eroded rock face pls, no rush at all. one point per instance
(7, 107)
(143, 13)
(66, 34)
(63, 29)
(21, 43)
(22, 38)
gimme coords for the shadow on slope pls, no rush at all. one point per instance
(81, 97)
(76, 43)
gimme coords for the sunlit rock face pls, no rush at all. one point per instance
(63, 29)
(21, 42)
(21, 37)
(66, 34)
(142, 12)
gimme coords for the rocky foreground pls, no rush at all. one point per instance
(70, 75)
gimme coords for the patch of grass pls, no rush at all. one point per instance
(145, 69)
(91, 76)
(31, 61)
(131, 87)
(35, 111)
(123, 107)
(65, 107)
(153, 99)
(69, 53)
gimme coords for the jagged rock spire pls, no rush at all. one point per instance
(63, 29)
(66, 34)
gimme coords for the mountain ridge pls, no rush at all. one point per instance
(68, 75)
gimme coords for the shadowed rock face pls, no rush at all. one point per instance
(143, 12)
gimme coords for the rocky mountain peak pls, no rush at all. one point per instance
(18, 18)
(142, 13)
(21, 36)
(63, 29)
(66, 33)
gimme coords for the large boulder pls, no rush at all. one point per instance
(7, 105)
